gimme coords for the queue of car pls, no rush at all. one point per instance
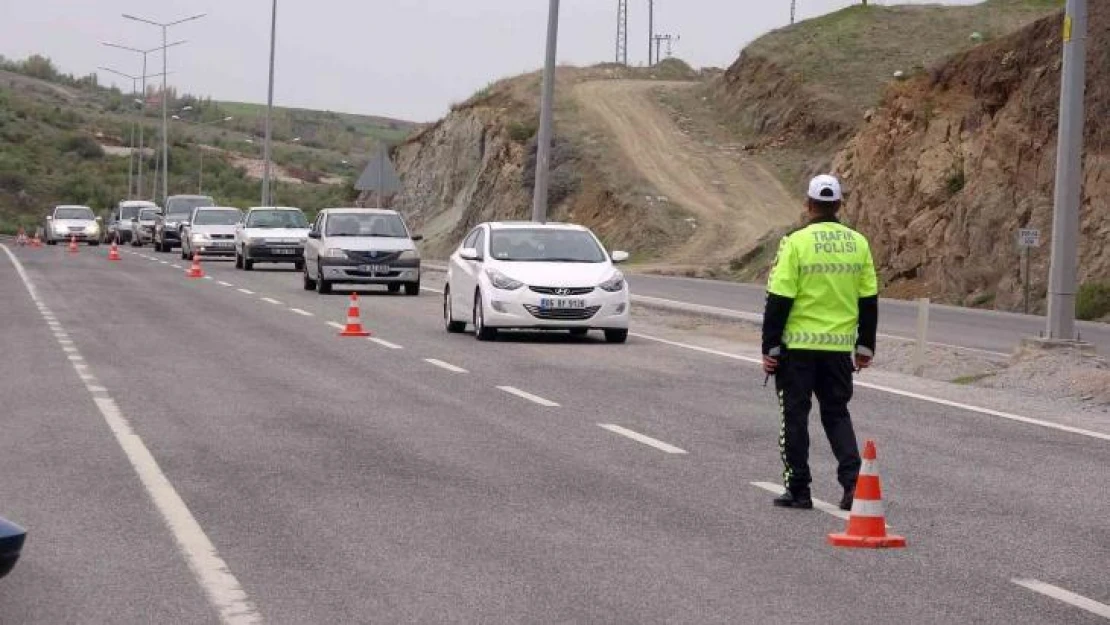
(502, 276)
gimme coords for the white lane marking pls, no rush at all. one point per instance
(640, 438)
(176, 266)
(899, 392)
(384, 343)
(68, 347)
(823, 506)
(270, 300)
(512, 390)
(445, 365)
(1066, 596)
(75, 358)
(303, 313)
(246, 291)
(337, 326)
(212, 572)
(222, 283)
(428, 288)
(164, 262)
(209, 278)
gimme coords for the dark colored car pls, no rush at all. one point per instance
(175, 214)
(11, 544)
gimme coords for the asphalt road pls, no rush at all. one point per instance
(963, 327)
(432, 478)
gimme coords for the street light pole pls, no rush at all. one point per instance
(165, 115)
(266, 195)
(547, 112)
(1069, 176)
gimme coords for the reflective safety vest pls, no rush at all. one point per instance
(825, 268)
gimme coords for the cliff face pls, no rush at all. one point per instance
(954, 162)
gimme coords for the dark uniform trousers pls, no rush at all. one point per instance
(828, 375)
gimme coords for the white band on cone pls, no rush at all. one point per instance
(867, 507)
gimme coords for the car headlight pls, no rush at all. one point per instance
(501, 281)
(335, 252)
(200, 238)
(613, 284)
(93, 228)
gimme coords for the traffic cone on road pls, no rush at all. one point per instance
(195, 271)
(354, 322)
(72, 244)
(867, 522)
(113, 254)
(36, 241)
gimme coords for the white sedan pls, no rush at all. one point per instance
(524, 275)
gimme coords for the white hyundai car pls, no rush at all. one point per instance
(524, 275)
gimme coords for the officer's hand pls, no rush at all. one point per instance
(770, 364)
(862, 362)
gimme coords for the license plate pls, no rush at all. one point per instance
(222, 244)
(374, 268)
(563, 303)
(278, 250)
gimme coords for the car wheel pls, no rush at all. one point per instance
(393, 288)
(616, 336)
(309, 283)
(184, 256)
(579, 332)
(248, 264)
(454, 327)
(481, 332)
(412, 289)
(51, 242)
(299, 265)
(238, 260)
(94, 243)
(323, 287)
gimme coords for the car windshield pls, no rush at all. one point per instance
(148, 214)
(540, 245)
(183, 206)
(127, 213)
(366, 225)
(217, 218)
(76, 212)
(276, 219)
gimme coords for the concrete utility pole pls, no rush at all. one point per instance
(1069, 176)
(165, 115)
(267, 196)
(622, 32)
(793, 10)
(547, 112)
(651, 29)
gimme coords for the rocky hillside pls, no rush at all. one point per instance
(478, 164)
(953, 162)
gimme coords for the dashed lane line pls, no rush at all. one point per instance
(1066, 596)
(445, 365)
(303, 313)
(640, 438)
(536, 399)
(211, 571)
(246, 291)
(384, 343)
(270, 300)
(227, 284)
(894, 391)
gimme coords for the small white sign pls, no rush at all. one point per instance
(1029, 237)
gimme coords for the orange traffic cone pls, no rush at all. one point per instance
(195, 271)
(867, 522)
(35, 241)
(72, 244)
(113, 254)
(354, 323)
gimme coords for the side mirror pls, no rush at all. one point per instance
(620, 257)
(11, 544)
(417, 237)
(49, 218)
(312, 234)
(468, 253)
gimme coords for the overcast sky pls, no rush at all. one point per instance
(402, 58)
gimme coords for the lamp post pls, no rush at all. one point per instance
(547, 111)
(165, 118)
(200, 149)
(266, 193)
(144, 54)
(131, 162)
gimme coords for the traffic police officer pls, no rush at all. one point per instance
(822, 305)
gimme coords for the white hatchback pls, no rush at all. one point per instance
(524, 275)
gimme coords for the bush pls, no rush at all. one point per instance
(1093, 301)
(83, 146)
(522, 132)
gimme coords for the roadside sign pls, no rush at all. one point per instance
(1028, 237)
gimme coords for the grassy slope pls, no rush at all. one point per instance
(849, 56)
(41, 122)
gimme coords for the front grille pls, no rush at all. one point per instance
(562, 291)
(222, 236)
(76, 228)
(562, 314)
(374, 258)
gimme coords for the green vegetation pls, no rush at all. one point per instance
(1092, 302)
(967, 380)
(63, 139)
(850, 55)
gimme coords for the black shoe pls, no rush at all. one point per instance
(790, 499)
(848, 498)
